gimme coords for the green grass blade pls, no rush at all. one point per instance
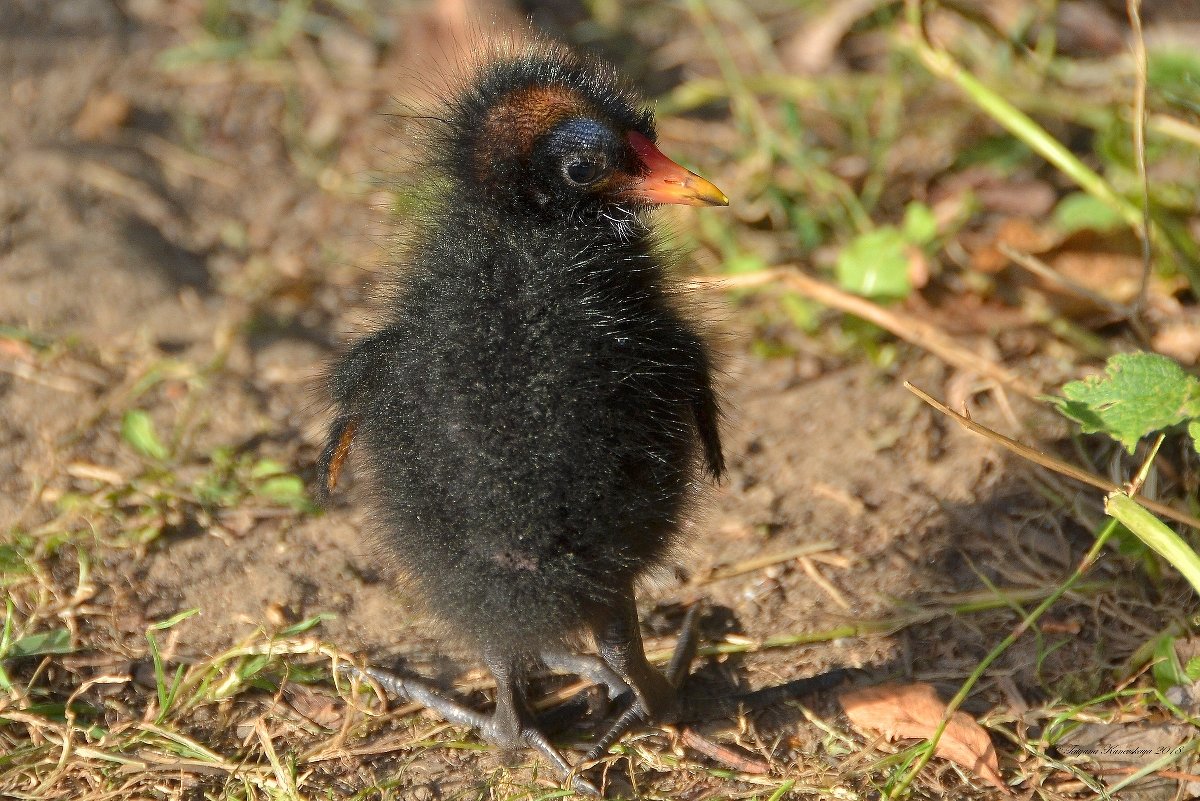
(1022, 126)
(56, 641)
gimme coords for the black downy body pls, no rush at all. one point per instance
(534, 409)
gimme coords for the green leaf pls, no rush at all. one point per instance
(267, 467)
(1177, 70)
(252, 666)
(174, 619)
(1193, 430)
(1138, 394)
(142, 535)
(1083, 212)
(920, 226)
(57, 641)
(875, 265)
(1175, 75)
(804, 313)
(138, 430)
(13, 563)
(305, 625)
(1192, 668)
(1166, 669)
(287, 490)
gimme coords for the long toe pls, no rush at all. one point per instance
(587, 667)
(498, 730)
(685, 647)
(421, 693)
(695, 709)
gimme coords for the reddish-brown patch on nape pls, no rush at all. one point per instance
(516, 121)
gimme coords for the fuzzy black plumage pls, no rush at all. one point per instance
(536, 409)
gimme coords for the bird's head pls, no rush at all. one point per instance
(546, 132)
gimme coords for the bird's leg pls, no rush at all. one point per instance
(510, 727)
(685, 646)
(655, 697)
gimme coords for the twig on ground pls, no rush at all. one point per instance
(1044, 271)
(825, 584)
(741, 762)
(909, 328)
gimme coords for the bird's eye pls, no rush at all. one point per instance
(582, 172)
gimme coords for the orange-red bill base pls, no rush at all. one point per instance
(666, 182)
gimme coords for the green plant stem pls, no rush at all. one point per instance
(1156, 765)
(928, 749)
(1152, 531)
(1022, 126)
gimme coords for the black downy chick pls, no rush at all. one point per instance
(536, 410)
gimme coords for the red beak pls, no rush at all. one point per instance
(666, 182)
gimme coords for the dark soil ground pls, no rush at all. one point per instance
(193, 238)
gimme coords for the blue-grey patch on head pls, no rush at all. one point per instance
(586, 149)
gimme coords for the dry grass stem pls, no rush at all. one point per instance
(907, 327)
(766, 560)
(1051, 462)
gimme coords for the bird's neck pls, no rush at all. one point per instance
(497, 253)
(587, 233)
(542, 217)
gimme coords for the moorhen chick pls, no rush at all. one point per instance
(536, 409)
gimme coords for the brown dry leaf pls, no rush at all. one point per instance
(1113, 275)
(102, 116)
(322, 709)
(1018, 233)
(915, 711)
(1179, 339)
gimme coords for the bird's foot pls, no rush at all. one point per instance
(502, 731)
(658, 703)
